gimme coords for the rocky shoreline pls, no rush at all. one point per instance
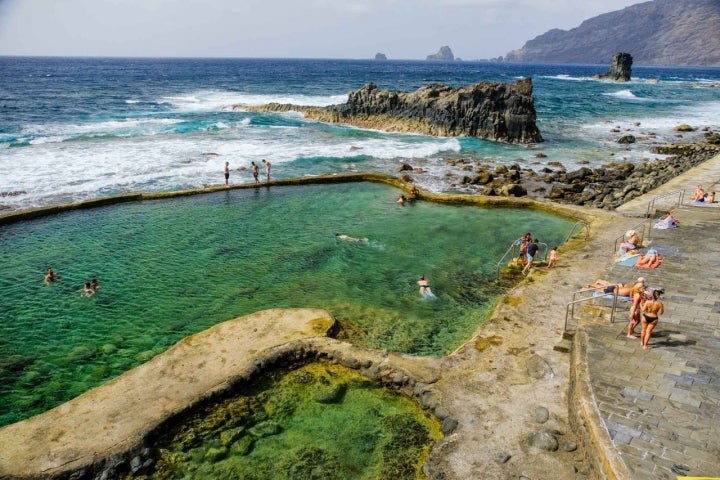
(606, 187)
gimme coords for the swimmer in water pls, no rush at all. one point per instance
(348, 238)
(424, 286)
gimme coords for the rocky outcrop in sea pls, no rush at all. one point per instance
(495, 111)
(620, 68)
(445, 54)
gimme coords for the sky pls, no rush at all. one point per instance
(353, 29)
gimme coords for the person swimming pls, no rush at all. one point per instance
(424, 287)
(50, 276)
(348, 238)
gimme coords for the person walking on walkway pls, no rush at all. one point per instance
(227, 173)
(267, 169)
(651, 311)
(638, 294)
(255, 172)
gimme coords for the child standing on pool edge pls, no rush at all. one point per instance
(552, 261)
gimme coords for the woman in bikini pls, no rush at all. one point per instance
(651, 311)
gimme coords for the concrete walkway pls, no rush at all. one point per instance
(661, 407)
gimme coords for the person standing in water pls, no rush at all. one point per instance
(424, 286)
(50, 276)
(227, 174)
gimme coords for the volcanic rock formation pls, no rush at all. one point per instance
(620, 68)
(495, 111)
(444, 54)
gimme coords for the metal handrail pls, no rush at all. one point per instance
(584, 224)
(570, 307)
(509, 250)
(651, 204)
(641, 232)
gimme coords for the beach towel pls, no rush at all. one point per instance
(649, 260)
(664, 224)
(628, 260)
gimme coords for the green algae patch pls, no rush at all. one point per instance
(512, 300)
(316, 421)
(483, 343)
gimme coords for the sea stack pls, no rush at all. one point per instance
(444, 55)
(620, 68)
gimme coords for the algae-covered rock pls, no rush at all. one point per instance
(228, 437)
(331, 395)
(265, 429)
(242, 446)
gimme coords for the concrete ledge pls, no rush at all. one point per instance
(569, 211)
(113, 419)
(108, 429)
(585, 419)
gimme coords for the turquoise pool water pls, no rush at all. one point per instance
(171, 268)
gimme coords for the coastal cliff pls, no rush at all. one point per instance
(658, 32)
(494, 111)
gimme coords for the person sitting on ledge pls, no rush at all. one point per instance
(668, 222)
(632, 242)
(698, 195)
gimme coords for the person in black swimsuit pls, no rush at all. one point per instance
(651, 311)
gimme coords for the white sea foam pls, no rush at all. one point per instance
(116, 127)
(563, 76)
(215, 100)
(624, 94)
(72, 171)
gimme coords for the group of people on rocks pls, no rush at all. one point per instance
(88, 289)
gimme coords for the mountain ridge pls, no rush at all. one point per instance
(657, 32)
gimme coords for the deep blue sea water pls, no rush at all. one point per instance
(78, 128)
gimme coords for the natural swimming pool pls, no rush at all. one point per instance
(170, 268)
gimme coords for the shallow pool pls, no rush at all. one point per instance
(171, 268)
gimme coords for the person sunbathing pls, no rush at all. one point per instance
(651, 259)
(619, 289)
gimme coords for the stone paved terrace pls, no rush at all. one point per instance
(661, 407)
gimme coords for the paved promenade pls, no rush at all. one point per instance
(661, 407)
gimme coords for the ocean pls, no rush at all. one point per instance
(78, 128)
